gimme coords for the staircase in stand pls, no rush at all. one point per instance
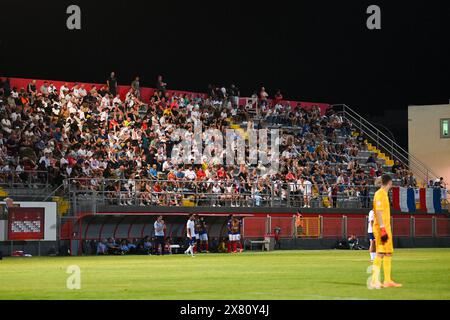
(386, 148)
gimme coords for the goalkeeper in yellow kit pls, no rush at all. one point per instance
(383, 236)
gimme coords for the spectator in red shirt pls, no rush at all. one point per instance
(201, 175)
(221, 174)
(278, 97)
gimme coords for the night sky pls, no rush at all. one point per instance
(311, 50)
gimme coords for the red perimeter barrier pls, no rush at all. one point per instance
(66, 230)
(254, 227)
(332, 227)
(442, 227)
(423, 227)
(357, 226)
(286, 225)
(401, 227)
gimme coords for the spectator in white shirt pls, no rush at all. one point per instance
(190, 174)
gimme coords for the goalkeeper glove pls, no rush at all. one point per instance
(384, 235)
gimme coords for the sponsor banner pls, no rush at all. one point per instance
(26, 223)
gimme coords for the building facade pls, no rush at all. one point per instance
(429, 137)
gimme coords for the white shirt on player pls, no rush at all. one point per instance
(190, 228)
(371, 219)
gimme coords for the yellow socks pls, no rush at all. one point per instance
(387, 261)
(376, 269)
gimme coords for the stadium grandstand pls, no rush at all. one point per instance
(103, 153)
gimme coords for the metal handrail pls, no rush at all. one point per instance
(12, 174)
(387, 144)
(53, 192)
(103, 181)
(277, 194)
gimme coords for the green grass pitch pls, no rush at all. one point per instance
(331, 274)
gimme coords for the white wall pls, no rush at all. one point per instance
(50, 219)
(424, 138)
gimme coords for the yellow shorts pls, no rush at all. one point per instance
(387, 247)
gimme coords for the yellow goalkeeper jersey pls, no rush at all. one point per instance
(381, 203)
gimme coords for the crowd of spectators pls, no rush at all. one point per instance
(123, 145)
